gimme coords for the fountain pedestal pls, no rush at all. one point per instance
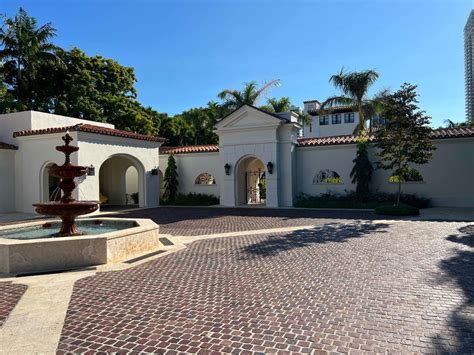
(67, 208)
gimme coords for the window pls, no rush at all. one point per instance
(205, 179)
(327, 177)
(336, 118)
(324, 120)
(349, 117)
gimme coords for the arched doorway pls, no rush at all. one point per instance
(121, 182)
(250, 181)
(50, 190)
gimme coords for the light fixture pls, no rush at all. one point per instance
(227, 169)
(91, 170)
(154, 171)
(270, 167)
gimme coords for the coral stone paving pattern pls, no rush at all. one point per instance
(191, 221)
(10, 294)
(340, 287)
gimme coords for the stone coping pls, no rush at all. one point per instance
(66, 253)
(142, 225)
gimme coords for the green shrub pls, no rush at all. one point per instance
(192, 199)
(351, 200)
(400, 210)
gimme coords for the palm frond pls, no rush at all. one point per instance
(265, 88)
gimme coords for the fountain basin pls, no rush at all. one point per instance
(30, 248)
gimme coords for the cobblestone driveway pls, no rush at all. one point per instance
(363, 286)
(191, 221)
(10, 294)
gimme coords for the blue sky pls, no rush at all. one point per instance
(185, 52)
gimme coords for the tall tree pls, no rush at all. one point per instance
(171, 179)
(354, 88)
(405, 137)
(361, 172)
(250, 95)
(25, 45)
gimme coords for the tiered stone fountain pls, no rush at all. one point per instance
(32, 247)
(67, 208)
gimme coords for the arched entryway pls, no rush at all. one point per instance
(250, 181)
(121, 182)
(50, 190)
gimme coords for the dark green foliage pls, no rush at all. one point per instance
(410, 174)
(352, 200)
(171, 180)
(192, 199)
(250, 95)
(361, 172)
(405, 137)
(397, 210)
(25, 46)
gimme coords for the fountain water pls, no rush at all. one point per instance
(67, 208)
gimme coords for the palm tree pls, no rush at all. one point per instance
(25, 46)
(354, 87)
(282, 104)
(250, 95)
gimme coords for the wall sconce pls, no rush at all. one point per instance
(91, 170)
(270, 167)
(227, 169)
(154, 171)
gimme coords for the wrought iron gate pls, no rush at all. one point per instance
(256, 187)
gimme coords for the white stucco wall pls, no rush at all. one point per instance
(7, 180)
(190, 166)
(35, 152)
(96, 149)
(26, 120)
(448, 177)
(311, 160)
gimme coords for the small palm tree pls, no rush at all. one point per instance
(250, 95)
(25, 46)
(354, 87)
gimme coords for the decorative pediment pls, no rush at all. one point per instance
(248, 117)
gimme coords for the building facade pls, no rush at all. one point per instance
(261, 160)
(469, 66)
(122, 164)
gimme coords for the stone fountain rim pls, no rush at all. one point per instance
(143, 225)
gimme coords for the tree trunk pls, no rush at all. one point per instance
(399, 185)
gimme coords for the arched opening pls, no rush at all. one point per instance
(50, 190)
(251, 188)
(121, 182)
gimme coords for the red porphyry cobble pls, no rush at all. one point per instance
(10, 294)
(339, 287)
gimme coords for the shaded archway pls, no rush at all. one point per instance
(250, 184)
(121, 182)
(50, 190)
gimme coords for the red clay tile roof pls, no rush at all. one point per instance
(209, 148)
(8, 146)
(442, 133)
(89, 129)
